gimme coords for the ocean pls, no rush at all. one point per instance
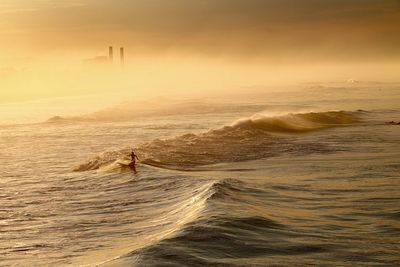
(307, 177)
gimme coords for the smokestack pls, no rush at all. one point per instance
(110, 54)
(122, 55)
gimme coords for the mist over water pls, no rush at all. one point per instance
(300, 177)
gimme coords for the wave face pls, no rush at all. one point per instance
(248, 139)
(217, 235)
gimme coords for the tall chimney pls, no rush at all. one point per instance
(122, 56)
(110, 54)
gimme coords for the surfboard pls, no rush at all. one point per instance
(124, 162)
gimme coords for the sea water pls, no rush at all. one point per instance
(309, 177)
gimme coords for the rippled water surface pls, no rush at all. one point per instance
(214, 189)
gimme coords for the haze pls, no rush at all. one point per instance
(192, 48)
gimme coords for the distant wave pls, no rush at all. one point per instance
(157, 107)
(59, 119)
(247, 139)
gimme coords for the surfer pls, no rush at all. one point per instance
(132, 165)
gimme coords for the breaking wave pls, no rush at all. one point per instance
(300, 122)
(257, 137)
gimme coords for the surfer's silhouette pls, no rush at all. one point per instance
(132, 165)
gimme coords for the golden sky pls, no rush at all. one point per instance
(328, 29)
(271, 31)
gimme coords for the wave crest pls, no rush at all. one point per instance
(300, 122)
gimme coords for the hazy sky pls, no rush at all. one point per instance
(328, 29)
(38, 37)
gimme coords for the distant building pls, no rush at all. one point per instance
(103, 60)
(122, 56)
(111, 54)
